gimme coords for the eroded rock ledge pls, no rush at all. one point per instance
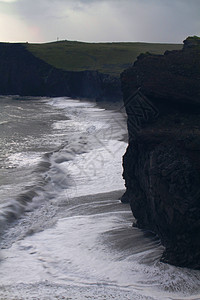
(162, 162)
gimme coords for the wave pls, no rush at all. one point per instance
(51, 178)
(4, 122)
(14, 208)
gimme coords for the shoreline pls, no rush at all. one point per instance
(9, 225)
(118, 107)
(29, 224)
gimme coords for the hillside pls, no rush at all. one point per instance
(109, 58)
(72, 69)
(22, 73)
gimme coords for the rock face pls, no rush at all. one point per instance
(24, 74)
(162, 162)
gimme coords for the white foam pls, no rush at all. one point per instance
(96, 249)
(23, 159)
(98, 171)
(65, 102)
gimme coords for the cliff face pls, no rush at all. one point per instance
(24, 74)
(162, 161)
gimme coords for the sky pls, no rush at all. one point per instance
(38, 21)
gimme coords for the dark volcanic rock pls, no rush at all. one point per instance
(24, 74)
(162, 161)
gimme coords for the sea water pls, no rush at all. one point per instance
(64, 232)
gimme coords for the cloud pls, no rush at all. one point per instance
(105, 20)
(160, 21)
(8, 1)
(16, 30)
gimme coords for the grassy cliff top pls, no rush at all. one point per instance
(110, 58)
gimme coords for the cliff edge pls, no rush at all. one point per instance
(162, 162)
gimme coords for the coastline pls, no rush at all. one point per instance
(85, 247)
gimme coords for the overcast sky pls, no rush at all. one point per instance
(99, 20)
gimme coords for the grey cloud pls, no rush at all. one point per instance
(125, 20)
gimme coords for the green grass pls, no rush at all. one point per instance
(110, 58)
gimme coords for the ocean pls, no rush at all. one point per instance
(64, 232)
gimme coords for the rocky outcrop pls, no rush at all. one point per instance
(162, 161)
(24, 74)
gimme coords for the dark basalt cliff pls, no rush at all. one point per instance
(24, 74)
(162, 161)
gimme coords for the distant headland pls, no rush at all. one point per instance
(66, 68)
